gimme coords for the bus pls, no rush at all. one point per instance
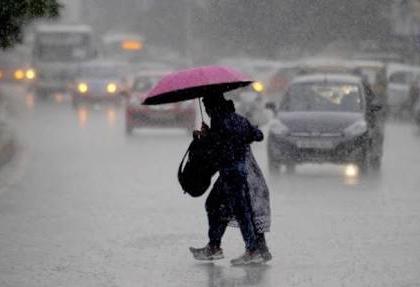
(57, 52)
(124, 47)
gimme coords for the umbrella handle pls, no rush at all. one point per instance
(201, 110)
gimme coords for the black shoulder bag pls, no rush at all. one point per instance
(197, 167)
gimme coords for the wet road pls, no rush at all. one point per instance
(84, 205)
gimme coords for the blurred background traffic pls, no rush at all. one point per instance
(365, 49)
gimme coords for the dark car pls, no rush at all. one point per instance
(326, 118)
(180, 114)
(98, 82)
(14, 67)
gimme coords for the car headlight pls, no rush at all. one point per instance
(358, 128)
(278, 128)
(30, 74)
(82, 88)
(258, 87)
(19, 74)
(111, 88)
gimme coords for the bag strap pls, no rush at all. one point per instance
(183, 159)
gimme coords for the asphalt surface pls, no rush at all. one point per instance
(82, 204)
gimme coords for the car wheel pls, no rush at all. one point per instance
(128, 130)
(376, 163)
(363, 162)
(273, 167)
(417, 120)
(290, 168)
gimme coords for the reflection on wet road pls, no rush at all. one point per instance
(94, 207)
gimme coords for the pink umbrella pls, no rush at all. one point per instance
(194, 83)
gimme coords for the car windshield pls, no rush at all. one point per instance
(101, 72)
(323, 97)
(144, 84)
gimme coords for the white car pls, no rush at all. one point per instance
(400, 77)
(416, 113)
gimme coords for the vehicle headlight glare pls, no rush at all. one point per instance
(30, 74)
(111, 88)
(278, 128)
(19, 74)
(258, 87)
(82, 88)
(351, 171)
(358, 128)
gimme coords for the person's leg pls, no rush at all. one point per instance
(213, 250)
(261, 243)
(243, 214)
(216, 215)
(244, 218)
(243, 211)
(262, 247)
(217, 228)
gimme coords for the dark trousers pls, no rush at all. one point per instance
(229, 198)
(217, 228)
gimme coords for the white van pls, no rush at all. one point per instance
(400, 77)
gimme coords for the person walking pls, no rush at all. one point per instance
(240, 194)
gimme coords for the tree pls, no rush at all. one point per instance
(14, 14)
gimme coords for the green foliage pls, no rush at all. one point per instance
(14, 14)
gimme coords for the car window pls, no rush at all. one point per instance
(401, 77)
(101, 72)
(323, 97)
(144, 84)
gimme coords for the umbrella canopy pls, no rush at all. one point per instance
(194, 83)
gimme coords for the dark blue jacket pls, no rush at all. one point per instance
(239, 172)
(232, 135)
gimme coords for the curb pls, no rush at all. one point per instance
(7, 145)
(7, 138)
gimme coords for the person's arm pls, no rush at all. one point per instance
(257, 134)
